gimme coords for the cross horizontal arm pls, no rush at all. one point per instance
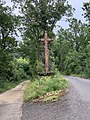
(42, 40)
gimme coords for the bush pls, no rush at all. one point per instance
(14, 71)
(86, 72)
(20, 70)
(72, 63)
(6, 86)
(38, 88)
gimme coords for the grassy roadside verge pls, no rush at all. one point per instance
(46, 88)
(81, 75)
(7, 86)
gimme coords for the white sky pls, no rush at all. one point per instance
(77, 4)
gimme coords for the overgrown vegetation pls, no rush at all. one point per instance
(44, 85)
(7, 86)
(72, 49)
(19, 71)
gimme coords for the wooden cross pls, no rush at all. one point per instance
(46, 41)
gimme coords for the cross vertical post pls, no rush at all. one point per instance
(46, 41)
(46, 53)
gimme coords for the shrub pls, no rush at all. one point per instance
(14, 71)
(6, 86)
(20, 69)
(38, 88)
(72, 63)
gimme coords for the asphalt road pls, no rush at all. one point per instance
(75, 105)
(82, 86)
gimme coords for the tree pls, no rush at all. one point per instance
(8, 25)
(40, 15)
(86, 8)
(71, 50)
(61, 48)
(78, 33)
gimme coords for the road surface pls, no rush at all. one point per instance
(73, 106)
(82, 86)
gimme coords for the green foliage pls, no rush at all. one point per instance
(86, 71)
(41, 86)
(39, 16)
(77, 34)
(72, 63)
(44, 14)
(20, 70)
(60, 49)
(6, 86)
(72, 49)
(8, 26)
(86, 8)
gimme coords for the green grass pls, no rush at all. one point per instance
(7, 86)
(40, 87)
(82, 75)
